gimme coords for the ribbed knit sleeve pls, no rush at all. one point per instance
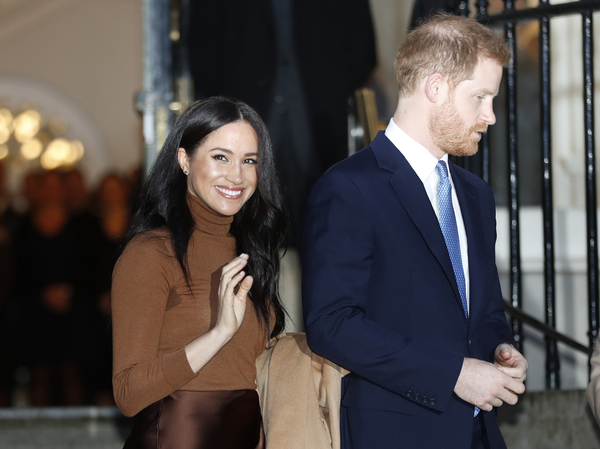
(142, 282)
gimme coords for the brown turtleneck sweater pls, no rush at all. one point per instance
(154, 316)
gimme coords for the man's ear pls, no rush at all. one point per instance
(184, 160)
(436, 88)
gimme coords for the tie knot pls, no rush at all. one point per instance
(441, 169)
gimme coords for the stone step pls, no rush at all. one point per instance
(550, 420)
(541, 420)
(63, 428)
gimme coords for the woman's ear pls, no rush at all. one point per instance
(436, 88)
(184, 160)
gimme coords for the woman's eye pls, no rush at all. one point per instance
(220, 157)
(250, 161)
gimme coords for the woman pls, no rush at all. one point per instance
(185, 336)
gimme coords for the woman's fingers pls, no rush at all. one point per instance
(245, 286)
(231, 272)
(232, 305)
(242, 258)
(239, 280)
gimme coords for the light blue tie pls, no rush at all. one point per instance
(450, 232)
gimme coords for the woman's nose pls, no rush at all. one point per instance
(234, 174)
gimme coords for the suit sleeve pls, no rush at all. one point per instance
(339, 249)
(141, 284)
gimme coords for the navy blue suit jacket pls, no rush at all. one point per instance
(380, 299)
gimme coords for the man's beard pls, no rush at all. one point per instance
(451, 134)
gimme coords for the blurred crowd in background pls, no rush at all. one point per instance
(58, 244)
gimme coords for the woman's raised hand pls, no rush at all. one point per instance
(233, 294)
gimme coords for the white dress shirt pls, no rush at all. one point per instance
(424, 163)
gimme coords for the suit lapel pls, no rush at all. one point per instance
(410, 192)
(467, 198)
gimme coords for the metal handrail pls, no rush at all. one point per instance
(547, 330)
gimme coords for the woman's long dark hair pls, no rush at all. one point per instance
(259, 227)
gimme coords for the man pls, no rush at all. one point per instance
(422, 331)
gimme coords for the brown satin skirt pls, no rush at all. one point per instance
(200, 420)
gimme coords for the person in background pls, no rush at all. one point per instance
(400, 283)
(90, 243)
(112, 211)
(14, 306)
(52, 299)
(297, 62)
(195, 291)
(8, 226)
(77, 195)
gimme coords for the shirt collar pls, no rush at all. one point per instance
(419, 157)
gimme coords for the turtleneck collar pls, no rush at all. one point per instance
(206, 220)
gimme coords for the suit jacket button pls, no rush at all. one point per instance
(432, 402)
(424, 400)
(409, 393)
(417, 397)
